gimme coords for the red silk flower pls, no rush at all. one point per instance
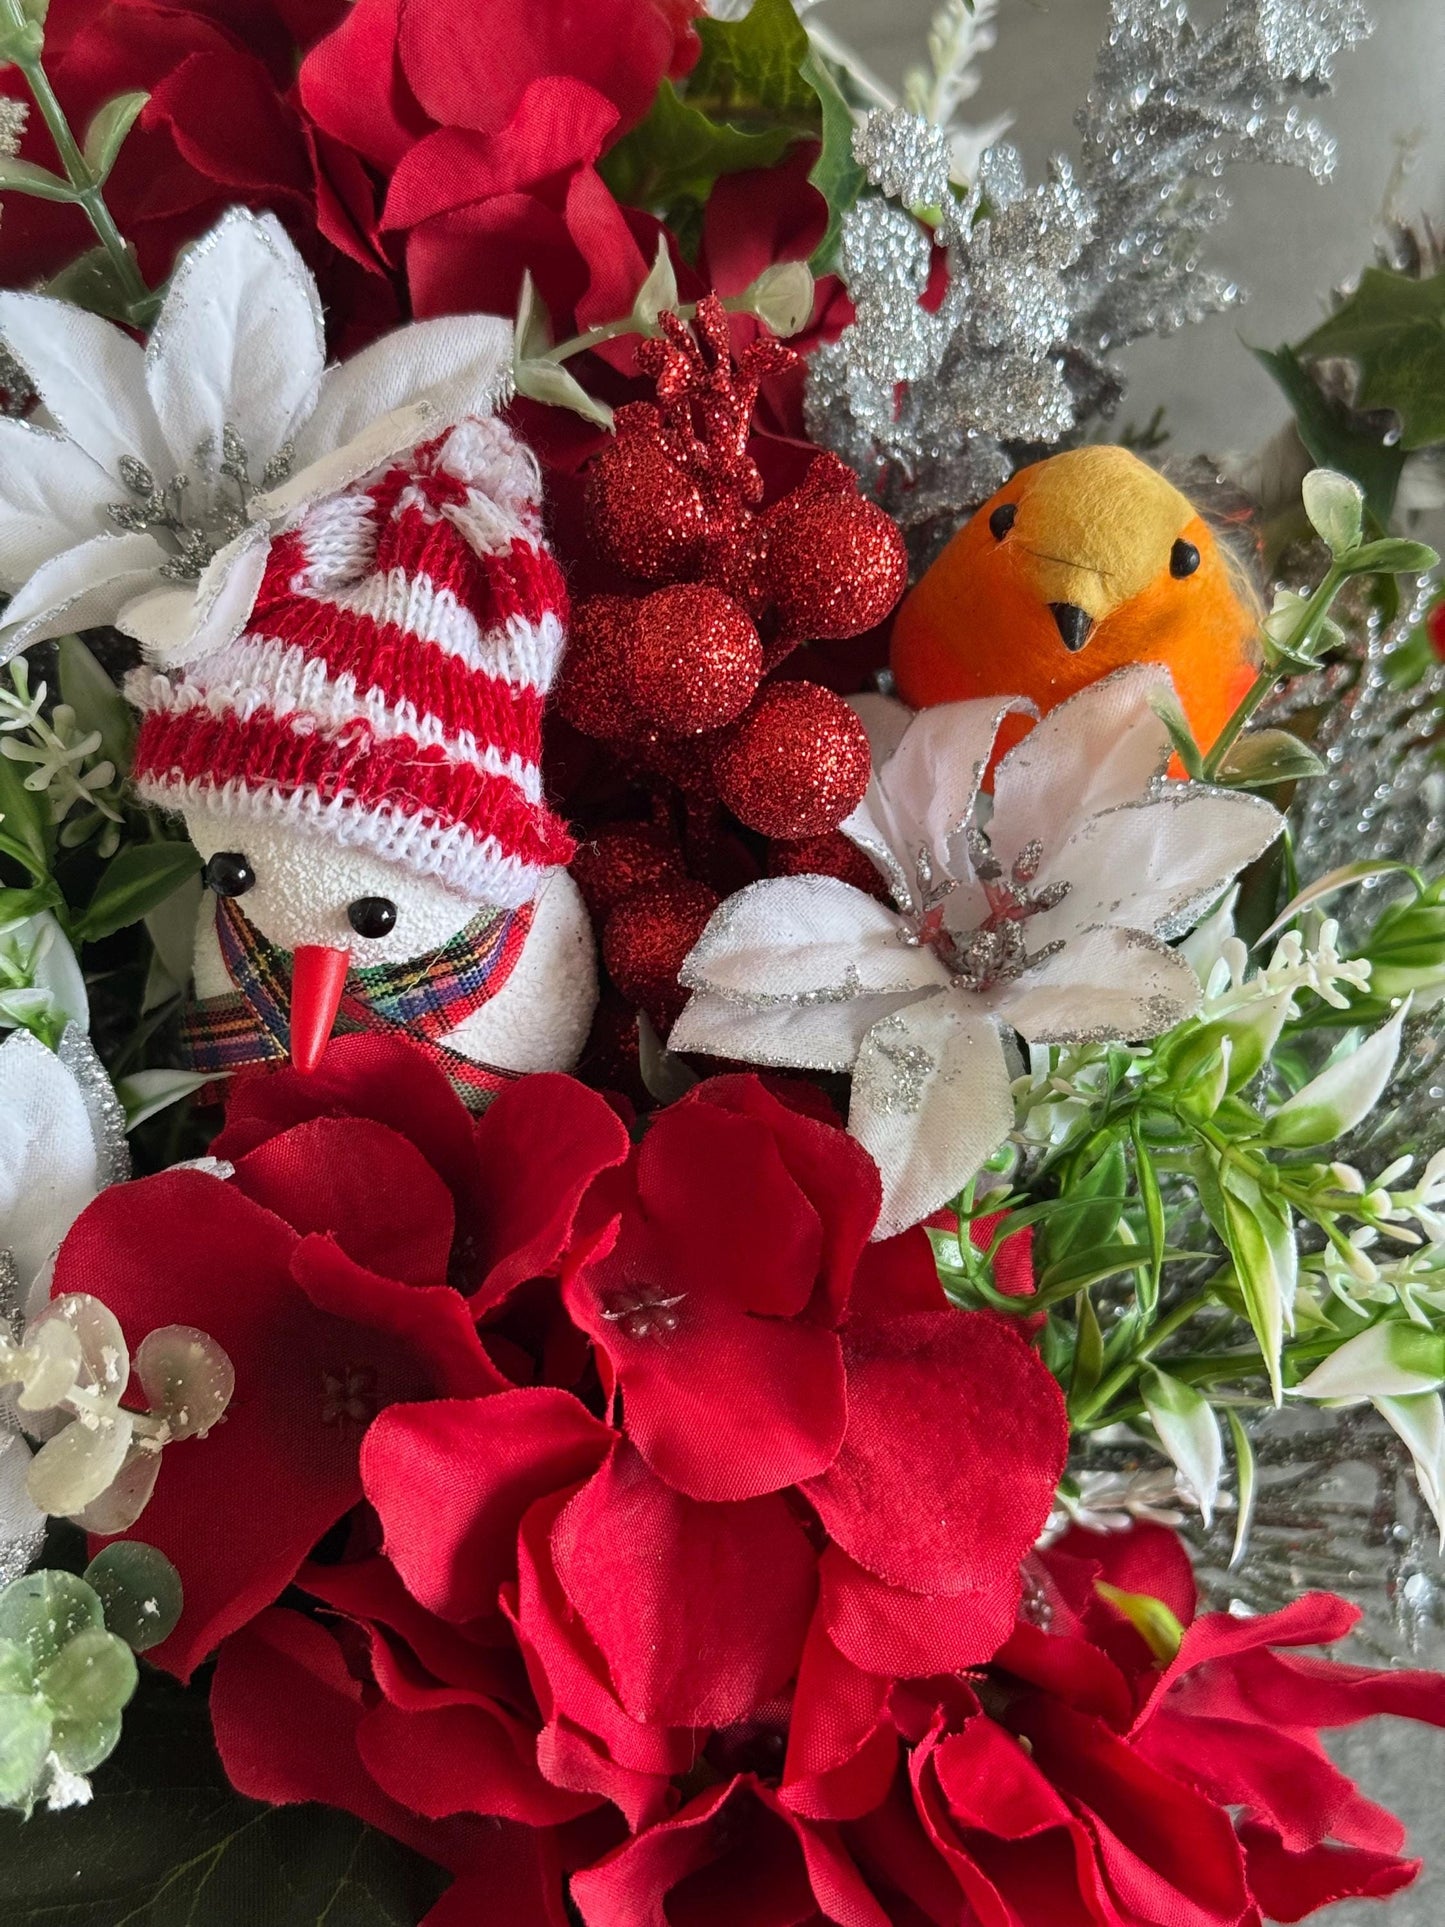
(487, 126)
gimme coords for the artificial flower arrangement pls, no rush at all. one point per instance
(680, 1096)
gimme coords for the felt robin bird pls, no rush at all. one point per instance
(1080, 564)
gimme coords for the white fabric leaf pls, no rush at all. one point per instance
(1106, 982)
(1343, 1094)
(460, 365)
(1149, 865)
(22, 1523)
(52, 495)
(1091, 752)
(817, 1037)
(176, 624)
(47, 1152)
(788, 937)
(923, 795)
(1189, 1432)
(90, 376)
(83, 588)
(931, 1102)
(240, 341)
(378, 442)
(1420, 1422)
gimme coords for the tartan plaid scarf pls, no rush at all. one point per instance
(425, 998)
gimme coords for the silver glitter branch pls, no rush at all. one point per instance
(1047, 283)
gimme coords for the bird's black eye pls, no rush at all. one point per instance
(228, 874)
(372, 916)
(1003, 518)
(1183, 559)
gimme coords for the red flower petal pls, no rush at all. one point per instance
(353, 86)
(451, 1481)
(956, 1439)
(1289, 1886)
(362, 1184)
(539, 1145)
(699, 1610)
(899, 1634)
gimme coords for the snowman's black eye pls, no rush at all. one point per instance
(372, 916)
(1003, 519)
(228, 874)
(1184, 558)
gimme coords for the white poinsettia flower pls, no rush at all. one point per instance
(1051, 916)
(144, 492)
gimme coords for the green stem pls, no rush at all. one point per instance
(1311, 619)
(1109, 1388)
(628, 325)
(88, 195)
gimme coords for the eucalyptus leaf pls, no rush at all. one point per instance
(43, 1611)
(1264, 757)
(91, 1678)
(24, 177)
(1336, 507)
(139, 1591)
(550, 382)
(25, 1726)
(106, 134)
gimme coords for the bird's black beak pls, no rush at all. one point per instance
(1075, 624)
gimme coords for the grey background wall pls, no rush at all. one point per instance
(1288, 240)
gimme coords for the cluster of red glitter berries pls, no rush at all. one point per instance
(679, 670)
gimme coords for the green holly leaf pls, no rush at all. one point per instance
(677, 153)
(1393, 329)
(166, 1842)
(835, 173)
(1333, 438)
(752, 69)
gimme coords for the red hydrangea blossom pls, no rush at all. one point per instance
(655, 1538)
(486, 128)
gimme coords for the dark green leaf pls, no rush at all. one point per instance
(1393, 329)
(106, 134)
(24, 830)
(1147, 1179)
(1166, 707)
(17, 905)
(1088, 1351)
(97, 703)
(135, 881)
(166, 1843)
(750, 70)
(1087, 1213)
(1334, 438)
(24, 177)
(92, 282)
(835, 173)
(677, 153)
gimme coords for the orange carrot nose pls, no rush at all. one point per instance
(318, 974)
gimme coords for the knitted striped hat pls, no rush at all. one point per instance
(388, 688)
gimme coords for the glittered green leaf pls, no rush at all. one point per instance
(1393, 329)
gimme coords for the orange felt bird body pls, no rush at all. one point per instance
(1080, 564)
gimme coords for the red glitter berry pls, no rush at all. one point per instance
(646, 942)
(826, 856)
(796, 764)
(646, 517)
(624, 862)
(594, 688)
(696, 662)
(833, 564)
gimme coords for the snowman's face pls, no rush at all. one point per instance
(308, 890)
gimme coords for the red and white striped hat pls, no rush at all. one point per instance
(388, 688)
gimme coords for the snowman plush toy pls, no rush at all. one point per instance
(360, 772)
